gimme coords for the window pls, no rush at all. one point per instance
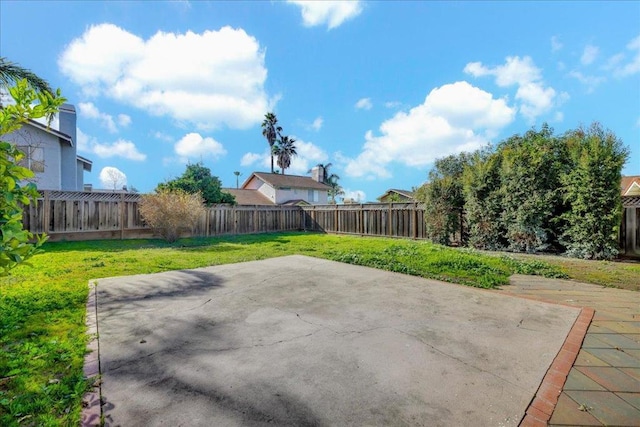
(312, 196)
(33, 158)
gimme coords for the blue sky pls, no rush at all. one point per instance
(379, 89)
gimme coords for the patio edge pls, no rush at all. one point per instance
(546, 398)
(91, 402)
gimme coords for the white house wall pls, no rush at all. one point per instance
(51, 178)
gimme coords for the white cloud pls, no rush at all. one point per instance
(364, 104)
(556, 45)
(211, 79)
(112, 178)
(393, 104)
(317, 124)
(194, 145)
(632, 67)
(558, 117)
(453, 118)
(120, 148)
(250, 158)
(124, 120)
(590, 81)
(163, 136)
(535, 98)
(589, 54)
(331, 13)
(90, 111)
(308, 156)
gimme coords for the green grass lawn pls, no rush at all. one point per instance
(42, 308)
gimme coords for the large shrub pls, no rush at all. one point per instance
(444, 200)
(592, 193)
(530, 173)
(483, 201)
(172, 212)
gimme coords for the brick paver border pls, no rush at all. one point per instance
(546, 398)
(91, 402)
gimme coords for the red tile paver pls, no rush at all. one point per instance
(568, 413)
(605, 374)
(608, 408)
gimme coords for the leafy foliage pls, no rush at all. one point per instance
(444, 201)
(12, 73)
(592, 191)
(197, 178)
(531, 167)
(533, 192)
(14, 240)
(172, 211)
(483, 203)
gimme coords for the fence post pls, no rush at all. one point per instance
(389, 219)
(415, 220)
(46, 214)
(122, 216)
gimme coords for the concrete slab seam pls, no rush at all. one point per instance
(91, 401)
(546, 398)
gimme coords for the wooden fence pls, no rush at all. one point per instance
(630, 228)
(98, 215)
(370, 219)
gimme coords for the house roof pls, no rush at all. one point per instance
(279, 181)
(86, 163)
(248, 197)
(630, 185)
(405, 193)
(50, 130)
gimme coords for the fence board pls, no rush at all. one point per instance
(91, 215)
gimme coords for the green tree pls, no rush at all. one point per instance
(197, 178)
(444, 201)
(531, 167)
(483, 201)
(271, 131)
(285, 150)
(28, 104)
(592, 192)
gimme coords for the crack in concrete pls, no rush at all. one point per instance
(457, 359)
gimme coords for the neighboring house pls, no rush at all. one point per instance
(630, 185)
(287, 189)
(51, 154)
(248, 197)
(395, 195)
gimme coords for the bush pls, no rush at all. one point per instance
(170, 212)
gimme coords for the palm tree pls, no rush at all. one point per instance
(285, 150)
(10, 73)
(271, 131)
(335, 188)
